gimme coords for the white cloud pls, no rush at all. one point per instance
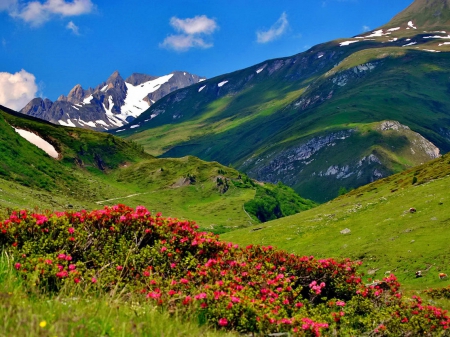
(193, 33)
(197, 25)
(184, 42)
(36, 13)
(16, 90)
(365, 28)
(277, 29)
(73, 27)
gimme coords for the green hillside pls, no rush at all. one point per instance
(273, 113)
(426, 14)
(382, 232)
(95, 169)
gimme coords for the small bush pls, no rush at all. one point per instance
(276, 201)
(439, 293)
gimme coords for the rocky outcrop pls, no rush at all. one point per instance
(419, 144)
(327, 162)
(276, 165)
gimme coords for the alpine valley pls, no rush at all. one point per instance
(330, 168)
(338, 116)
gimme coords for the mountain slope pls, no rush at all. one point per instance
(113, 103)
(426, 14)
(310, 120)
(374, 223)
(88, 168)
(30, 166)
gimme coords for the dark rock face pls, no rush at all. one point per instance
(37, 107)
(77, 94)
(179, 80)
(106, 107)
(136, 78)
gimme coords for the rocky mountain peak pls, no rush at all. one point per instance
(112, 104)
(76, 95)
(115, 76)
(115, 81)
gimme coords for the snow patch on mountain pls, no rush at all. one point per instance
(201, 88)
(88, 99)
(101, 122)
(68, 123)
(39, 142)
(377, 33)
(222, 83)
(437, 37)
(346, 43)
(111, 105)
(411, 25)
(82, 122)
(134, 102)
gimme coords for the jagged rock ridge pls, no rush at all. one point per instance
(111, 104)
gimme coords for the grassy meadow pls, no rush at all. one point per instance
(384, 234)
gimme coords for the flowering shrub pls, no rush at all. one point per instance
(251, 289)
(439, 292)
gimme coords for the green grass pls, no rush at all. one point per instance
(96, 169)
(384, 234)
(433, 15)
(71, 313)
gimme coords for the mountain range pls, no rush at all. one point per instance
(337, 116)
(111, 104)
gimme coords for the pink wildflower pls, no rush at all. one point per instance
(223, 322)
(235, 299)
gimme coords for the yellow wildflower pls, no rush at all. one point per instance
(43, 324)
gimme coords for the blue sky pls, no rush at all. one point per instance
(52, 45)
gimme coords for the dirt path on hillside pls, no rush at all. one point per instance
(128, 196)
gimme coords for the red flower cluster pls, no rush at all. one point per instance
(251, 289)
